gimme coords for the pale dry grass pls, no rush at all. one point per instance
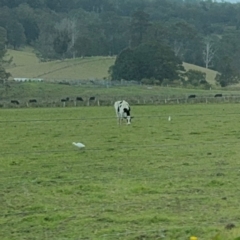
(210, 74)
(26, 64)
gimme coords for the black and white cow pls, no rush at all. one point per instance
(123, 110)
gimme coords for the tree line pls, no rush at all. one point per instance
(204, 33)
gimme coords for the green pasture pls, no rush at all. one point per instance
(154, 179)
(49, 92)
(53, 91)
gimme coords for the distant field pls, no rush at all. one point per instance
(26, 64)
(210, 74)
(54, 92)
(154, 179)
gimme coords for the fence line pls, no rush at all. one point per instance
(133, 100)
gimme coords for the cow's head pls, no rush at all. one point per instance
(128, 120)
(127, 115)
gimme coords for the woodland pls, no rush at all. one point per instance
(203, 33)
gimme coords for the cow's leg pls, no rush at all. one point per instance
(117, 114)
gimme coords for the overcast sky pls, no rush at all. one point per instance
(232, 1)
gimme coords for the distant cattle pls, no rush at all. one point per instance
(218, 95)
(32, 101)
(15, 102)
(123, 110)
(92, 98)
(65, 99)
(79, 99)
(64, 83)
(192, 96)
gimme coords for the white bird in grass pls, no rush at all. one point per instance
(79, 145)
(169, 118)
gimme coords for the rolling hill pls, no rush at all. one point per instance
(26, 65)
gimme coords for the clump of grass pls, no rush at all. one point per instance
(233, 234)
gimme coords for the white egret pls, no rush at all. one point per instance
(79, 145)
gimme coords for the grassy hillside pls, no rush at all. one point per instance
(26, 64)
(210, 74)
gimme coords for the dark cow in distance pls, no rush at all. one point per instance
(218, 95)
(65, 99)
(192, 96)
(32, 100)
(15, 102)
(79, 99)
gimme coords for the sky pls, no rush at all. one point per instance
(232, 1)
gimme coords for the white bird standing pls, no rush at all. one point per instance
(169, 118)
(79, 145)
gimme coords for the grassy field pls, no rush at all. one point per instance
(47, 93)
(26, 64)
(154, 179)
(49, 90)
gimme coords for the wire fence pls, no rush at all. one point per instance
(109, 101)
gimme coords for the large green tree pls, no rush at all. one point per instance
(148, 60)
(3, 41)
(15, 32)
(125, 66)
(82, 46)
(115, 31)
(138, 28)
(60, 43)
(27, 17)
(227, 61)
